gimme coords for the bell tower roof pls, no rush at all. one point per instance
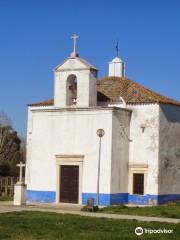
(74, 62)
(117, 60)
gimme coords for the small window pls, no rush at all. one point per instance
(138, 183)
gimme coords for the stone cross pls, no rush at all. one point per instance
(74, 37)
(20, 165)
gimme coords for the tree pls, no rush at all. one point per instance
(10, 147)
(5, 119)
(23, 149)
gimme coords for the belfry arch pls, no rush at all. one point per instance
(71, 90)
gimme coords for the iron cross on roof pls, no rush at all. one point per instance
(74, 37)
(117, 48)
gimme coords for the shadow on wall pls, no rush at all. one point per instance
(172, 113)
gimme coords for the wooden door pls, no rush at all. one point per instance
(69, 183)
(138, 183)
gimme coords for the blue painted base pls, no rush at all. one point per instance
(149, 199)
(168, 198)
(41, 196)
(143, 199)
(105, 198)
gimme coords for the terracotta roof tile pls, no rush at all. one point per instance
(131, 92)
(112, 88)
(49, 102)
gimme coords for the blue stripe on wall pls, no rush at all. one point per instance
(119, 198)
(168, 198)
(105, 198)
(143, 199)
(152, 199)
(41, 196)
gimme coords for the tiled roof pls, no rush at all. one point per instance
(112, 88)
(131, 92)
(49, 102)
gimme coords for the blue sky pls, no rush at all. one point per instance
(35, 37)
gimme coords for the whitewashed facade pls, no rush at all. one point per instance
(139, 139)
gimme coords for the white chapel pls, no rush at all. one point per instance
(109, 139)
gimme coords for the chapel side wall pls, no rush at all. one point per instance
(144, 146)
(120, 151)
(169, 150)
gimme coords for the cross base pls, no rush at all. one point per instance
(74, 55)
(19, 194)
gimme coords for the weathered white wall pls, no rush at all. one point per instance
(68, 132)
(120, 151)
(125, 148)
(169, 150)
(144, 147)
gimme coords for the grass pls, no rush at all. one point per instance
(170, 210)
(6, 198)
(53, 226)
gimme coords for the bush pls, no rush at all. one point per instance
(4, 169)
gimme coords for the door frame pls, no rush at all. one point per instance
(137, 168)
(73, 160)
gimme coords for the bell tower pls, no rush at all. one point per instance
(75, 81)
